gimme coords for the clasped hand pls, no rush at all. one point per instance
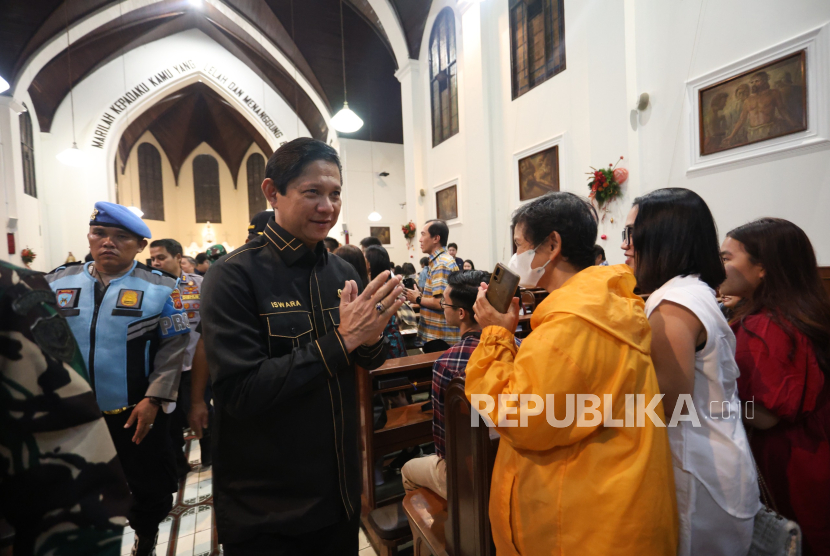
(486, 315)
(360, 321)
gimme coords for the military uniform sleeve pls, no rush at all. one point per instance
(174, 331)
(245, 378)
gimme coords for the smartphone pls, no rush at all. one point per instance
(504, 283)
(409, 283)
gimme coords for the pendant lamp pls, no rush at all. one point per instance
(345, 121)
(73, 156)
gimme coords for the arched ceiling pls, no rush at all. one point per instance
(184, 119)
(374, 93)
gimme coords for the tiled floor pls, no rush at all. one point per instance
(189, 529)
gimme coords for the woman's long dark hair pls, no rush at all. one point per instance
(378, 259)
(354, 257)
(791, 290)
(675, 235)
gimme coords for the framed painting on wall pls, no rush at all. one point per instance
(765, 106)
(539, 173)
(382, 233)
(446, 203)
(762, 103)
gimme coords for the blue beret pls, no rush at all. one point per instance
(118, 216)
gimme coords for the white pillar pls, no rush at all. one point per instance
(480, 213)
(11, 174)
(414, 143)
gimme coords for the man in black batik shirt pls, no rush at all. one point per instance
(284, 326)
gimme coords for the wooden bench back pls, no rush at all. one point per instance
(471, 454)
(406, 426)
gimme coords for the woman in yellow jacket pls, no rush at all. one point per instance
(600, 482)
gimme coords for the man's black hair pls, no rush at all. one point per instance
(675, 235)
(201, 258)
(331, 244)
(449, 245)
(572, 216)
(464, 284)
(398, 270)
(439, 228)
(598, 250)
(371, 240)
(424, 261)
(170, 245)
(291, 159)
(408, 268)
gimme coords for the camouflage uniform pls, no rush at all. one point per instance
(61, 485)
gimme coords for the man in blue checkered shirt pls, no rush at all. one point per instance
(457, 302)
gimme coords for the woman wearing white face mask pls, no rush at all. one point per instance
(523, 260)
(562, 488)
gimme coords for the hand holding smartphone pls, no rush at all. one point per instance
(504, 283)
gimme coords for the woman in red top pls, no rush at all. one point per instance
(783, 352)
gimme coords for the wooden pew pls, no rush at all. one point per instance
(459, 526)
(405, 427)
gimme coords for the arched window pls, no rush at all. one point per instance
(206, 189)
(150, 186)
(443, 73)
(27, 147)
(256, 173)
(537, 42)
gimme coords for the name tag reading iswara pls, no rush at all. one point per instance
(284, 304)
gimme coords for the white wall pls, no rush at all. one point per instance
(795, 187)
(362, 161)
(614, 51)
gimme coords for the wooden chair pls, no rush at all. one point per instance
(407, 426)
(460, 525)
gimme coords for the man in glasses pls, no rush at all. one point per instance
(457, 303)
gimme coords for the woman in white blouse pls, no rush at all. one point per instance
(671, 243)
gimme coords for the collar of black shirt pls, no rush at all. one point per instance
(291, 249)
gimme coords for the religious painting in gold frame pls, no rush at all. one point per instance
(768, 101)
(539, 173)
(446, 203)
(382, 233)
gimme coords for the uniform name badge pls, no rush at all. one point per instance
(130, 299)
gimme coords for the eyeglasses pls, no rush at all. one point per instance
(627, 234)
(441, 302)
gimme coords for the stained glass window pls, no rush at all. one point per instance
(443, 73)
(537, 40)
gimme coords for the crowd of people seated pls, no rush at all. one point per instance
(639, 416)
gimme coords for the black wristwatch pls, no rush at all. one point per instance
(418, 300)
(155, 401)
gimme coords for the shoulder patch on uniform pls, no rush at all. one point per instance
(177, 300)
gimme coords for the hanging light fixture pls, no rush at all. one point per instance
(345, 121)
(73, 156)
(374, 216)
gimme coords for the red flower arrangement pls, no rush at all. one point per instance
(27, 255)
(409, 233)
(409, 230)
(605, 183)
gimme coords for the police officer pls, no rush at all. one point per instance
(132, 331)
(166, 255)
(283, 326)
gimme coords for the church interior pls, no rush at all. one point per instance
(463, 111)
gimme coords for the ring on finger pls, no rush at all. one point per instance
(380, 308)
(151, 426)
